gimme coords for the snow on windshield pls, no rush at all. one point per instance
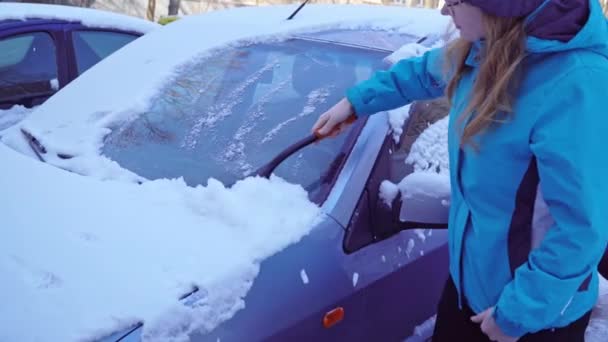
(88, 17)
(74, 250)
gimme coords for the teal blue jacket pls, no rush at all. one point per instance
(528, 219)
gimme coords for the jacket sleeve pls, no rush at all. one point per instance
(568, 141)
(411, 79)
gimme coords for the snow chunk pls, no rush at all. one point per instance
(175, 236)
(407, 51)
(430, 151)
(388, 192)
(410, 247)
(54, 84)
(420, 234)
(304, 276)
(396, 119)
(429, 184)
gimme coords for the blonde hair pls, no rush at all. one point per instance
(492, 93)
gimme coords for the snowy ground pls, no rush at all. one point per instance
(598, 326)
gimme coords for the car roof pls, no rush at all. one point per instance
(16, 14)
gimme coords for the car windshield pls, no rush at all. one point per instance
(227, 114)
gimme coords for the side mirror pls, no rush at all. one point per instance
(423, 202)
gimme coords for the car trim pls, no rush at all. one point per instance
(341, 203)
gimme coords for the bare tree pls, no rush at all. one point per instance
(151, 9)
(173, 7)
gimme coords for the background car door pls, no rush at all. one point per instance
(30, 65)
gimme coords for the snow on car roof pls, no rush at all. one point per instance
(74, 121)
(86, 16)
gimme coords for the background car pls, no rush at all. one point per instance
(45, 47)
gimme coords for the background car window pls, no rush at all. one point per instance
(28, 69)
(93, 46)
(227, 115)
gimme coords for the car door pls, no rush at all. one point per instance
(89, 45)
(31, 64)
(403, 270)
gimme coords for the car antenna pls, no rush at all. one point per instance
(297, 10)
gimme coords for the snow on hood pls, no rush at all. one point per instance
(12, 116)
(74, 249)
(75, 120)
(87, 16)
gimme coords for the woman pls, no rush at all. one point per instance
(527, 81)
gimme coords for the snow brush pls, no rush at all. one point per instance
(266, 170)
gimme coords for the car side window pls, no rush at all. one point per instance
(28, 69)
(373, 219)
(92, 46)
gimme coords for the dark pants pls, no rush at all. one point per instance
(454, 324)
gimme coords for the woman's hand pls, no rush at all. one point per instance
(490, 328)
(335, 117)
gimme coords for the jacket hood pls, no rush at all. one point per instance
(560, 25)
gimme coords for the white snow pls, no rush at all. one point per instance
(407, 51)
(12, 116)
(87, 16)
(597, 330)
(420, 234)
(396, 119)
(304, 276)
(429, 184)
(410, 247)
(80, 128)
(75, 250)
(55, 84)
(388, 192)
(430, 151)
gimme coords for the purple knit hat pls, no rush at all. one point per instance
(507, 8)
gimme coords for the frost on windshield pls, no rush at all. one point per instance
(227, 114)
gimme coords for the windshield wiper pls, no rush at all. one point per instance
(35, 145)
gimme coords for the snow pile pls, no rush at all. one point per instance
(75, 250)
(88, 17)
(427, 184)
(13, 116)
(430, 151)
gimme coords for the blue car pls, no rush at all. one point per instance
(45, 47)
(373, 268)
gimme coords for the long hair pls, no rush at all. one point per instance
(493, 90)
